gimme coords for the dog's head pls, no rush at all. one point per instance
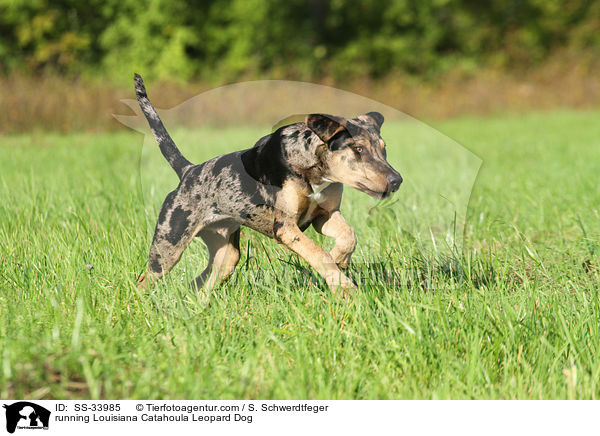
(355, 153)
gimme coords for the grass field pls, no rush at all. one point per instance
(512, 313)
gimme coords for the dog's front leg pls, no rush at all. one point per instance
(292, 237)
(334, 226)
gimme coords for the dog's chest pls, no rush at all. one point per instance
(312, 205)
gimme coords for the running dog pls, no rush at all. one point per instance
(287, 181)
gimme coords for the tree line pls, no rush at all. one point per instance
(298, 39)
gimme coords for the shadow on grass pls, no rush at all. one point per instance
(418, 272)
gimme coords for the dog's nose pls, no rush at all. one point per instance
(394, 181)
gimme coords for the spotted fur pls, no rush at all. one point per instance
(288, 180)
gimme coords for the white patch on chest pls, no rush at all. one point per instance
(317, 194)
(314, 199)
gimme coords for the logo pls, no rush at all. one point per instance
(26, 415)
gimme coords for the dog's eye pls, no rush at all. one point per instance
(359, 149)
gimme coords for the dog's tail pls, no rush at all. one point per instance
(167, 147)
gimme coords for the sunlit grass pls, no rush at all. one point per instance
(514, 313)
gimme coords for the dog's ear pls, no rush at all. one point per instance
(325, 126)
(373, 118)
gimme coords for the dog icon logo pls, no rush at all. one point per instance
(26, 415)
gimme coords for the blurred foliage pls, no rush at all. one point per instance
(233, 39)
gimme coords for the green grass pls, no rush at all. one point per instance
(513, 312)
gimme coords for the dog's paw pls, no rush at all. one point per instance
(341, 258)
(142, 283)
(340, 284)
(345, 294)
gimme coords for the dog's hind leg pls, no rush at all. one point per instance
(164, 255)
(175, 229)
(334, 226)
(224, 254)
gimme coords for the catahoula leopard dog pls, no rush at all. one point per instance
(287, 181)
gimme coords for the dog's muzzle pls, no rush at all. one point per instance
(394, 181)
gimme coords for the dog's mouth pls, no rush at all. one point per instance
(380, 195)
